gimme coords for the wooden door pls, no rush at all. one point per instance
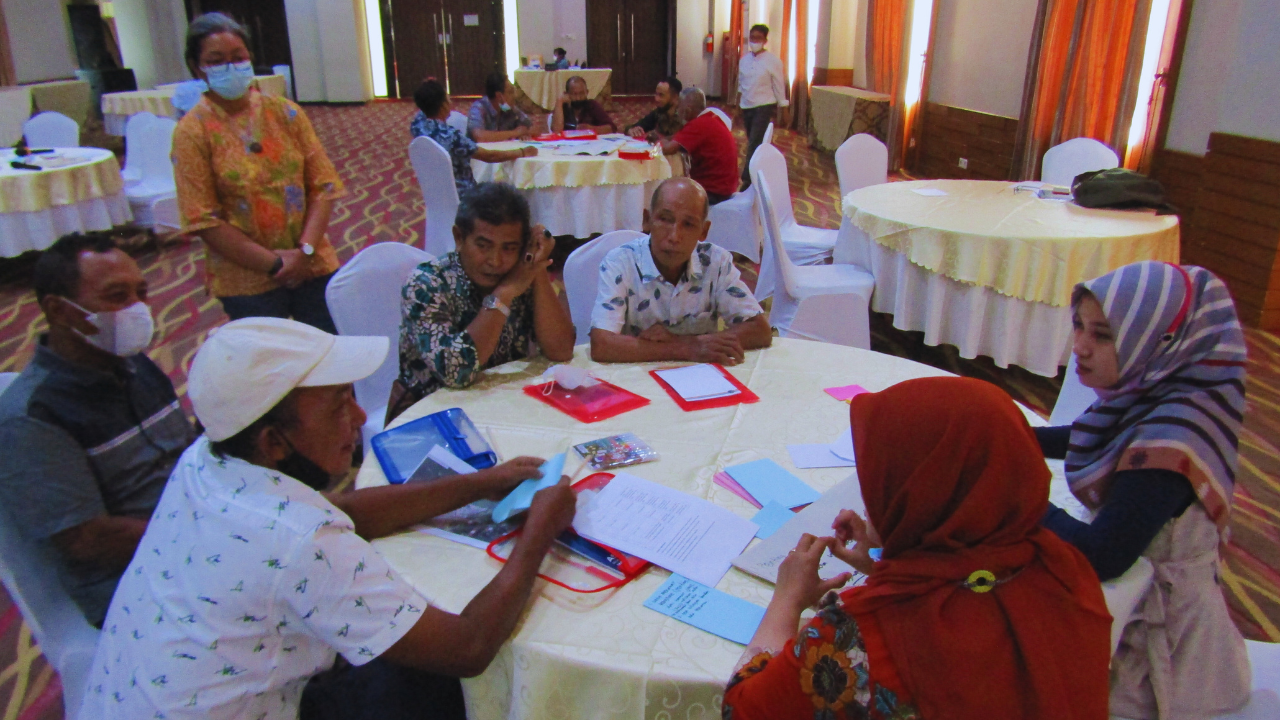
(605, 47)
(264, 19)
(476, 43)
(646, 35)
(417, 49)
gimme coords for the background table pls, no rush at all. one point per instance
(117, 107)
(38, 207)
(988, 269)
(72, 98)
(836, 112)
(542, 87)
(606, 656)
(579, 195)
(15, 108)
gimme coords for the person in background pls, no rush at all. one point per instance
(1155, 458)
(251, 579)
(482, 305)
(255, 184)
(762, 91)
(712, 150)
(664, 296)
(431, 121)
(974, 612)
(492, 118)
(664, 120)
(91, 426)
(560, 61)
(575, 111)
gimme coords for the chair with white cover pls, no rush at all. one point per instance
(6, 379)
(157, 170)
(287, 72)
(67, 640)
(768, 135)
(582, 277)
(735, 226)
(164, 214)
(827, 303)
(861, 160)
(1264, 702)
(724, 117)
(1062, 163)
(457, 121)
(435, 177)
(135, 130)
(364, 299)
(805, 245)
(51, 130)
(1073, 399)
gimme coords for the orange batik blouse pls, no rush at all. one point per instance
(264, 194)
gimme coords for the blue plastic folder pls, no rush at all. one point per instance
(520, 498)
(707, 609)
(766, 480)
(770, 518)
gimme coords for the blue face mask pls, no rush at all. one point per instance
(231, 81)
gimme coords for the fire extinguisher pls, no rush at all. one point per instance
(708, 44)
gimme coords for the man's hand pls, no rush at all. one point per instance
(536, 260)
(502, 478)
(784, 116)
(798, 584)
(550, 513)
(636, 132)
(850, 527)
(296, 269)
(723, 348)
(565, 100)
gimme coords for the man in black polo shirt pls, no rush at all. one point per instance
(91, 428)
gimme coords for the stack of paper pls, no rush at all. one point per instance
(698, 382)
(824, 455)
(763, 559)
(594, 147)
(766, 480)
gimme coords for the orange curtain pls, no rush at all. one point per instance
(8, 76)
(731, 51)
(800, 74)
(1085, 78)
(887, 66)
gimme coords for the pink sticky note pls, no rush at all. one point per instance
(846, 393)
(726, 481)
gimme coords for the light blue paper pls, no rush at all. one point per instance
(520, 498)
(707, 609)
(766, 480)
(770, 518)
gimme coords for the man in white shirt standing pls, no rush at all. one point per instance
(762, 89)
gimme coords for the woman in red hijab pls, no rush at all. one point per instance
(975, 611)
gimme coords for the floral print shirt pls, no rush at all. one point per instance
(438, 303)
(459, 146)
(257, 171)
(245, 585)
(827, 660)
(633, 295)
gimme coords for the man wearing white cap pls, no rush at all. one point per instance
(248, 581)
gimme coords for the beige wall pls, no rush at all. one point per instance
(40, 40)
(330, 50)
(980, 54)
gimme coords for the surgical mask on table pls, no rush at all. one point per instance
(120, 332)
(231, 81)
(567, 377)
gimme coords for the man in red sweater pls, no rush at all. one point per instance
(712, 150)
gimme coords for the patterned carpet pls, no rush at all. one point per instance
(384, 204)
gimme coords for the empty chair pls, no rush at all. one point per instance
(1073, 399)
(156, 168)
(735, 226)
(164, 214)
(51, 130)
(458, 122)
(724, 117)
(768, 135)
(861, 160)
(364, 299)
(827, 303)
(135, 130)
(805, 245)
(435, 177)
(1062, 163)
(582, 277)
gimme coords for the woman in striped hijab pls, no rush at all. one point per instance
(1154, 459)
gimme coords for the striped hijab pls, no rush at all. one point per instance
(1180, 399)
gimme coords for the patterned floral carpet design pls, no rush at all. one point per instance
(367, 144)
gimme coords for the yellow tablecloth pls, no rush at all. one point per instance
(544, 88)
(95, 175)
(159, 100)
(69, 97)
(985, 234)
(15, 108)
(547, 170)
(836, 112)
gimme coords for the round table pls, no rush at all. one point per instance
(118, 107)
(578, 195)
(607, 656)
(544, 87)
(80, 190)
(987, 268)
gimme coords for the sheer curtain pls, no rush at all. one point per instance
(7, 74)
(1082, 78)
(887, 65)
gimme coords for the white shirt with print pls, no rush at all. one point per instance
(633, 295)
(245, 584)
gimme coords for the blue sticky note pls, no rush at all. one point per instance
(520, 498)
(770, 518)
(766, 480)
(707, 609)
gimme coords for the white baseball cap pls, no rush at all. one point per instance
(246, 367)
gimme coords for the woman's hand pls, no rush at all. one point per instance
(501, 479)
(636, 132)
(536, 260)
(850, 527)
(798, 584)
(296, 269)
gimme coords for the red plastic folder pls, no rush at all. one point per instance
(744, 397)
(587, 404)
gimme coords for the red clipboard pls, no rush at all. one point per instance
(587, 404)
(745, 397)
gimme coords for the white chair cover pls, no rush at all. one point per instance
(156, 167)
(457, 121)
(6, 379)
(1073, 399)
(734, 225)
(287, 72)
(1123, 594)
(582, 277)
(724, 117)
(164, 213)
(861, 160)
(1062, 163)
(768, 135)
(1264, 702)
(805, 245)
(135, 132)
(364, 299)
(435, 177)
(50, 130)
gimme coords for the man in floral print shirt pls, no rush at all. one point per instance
(249, 581)
(667, 296)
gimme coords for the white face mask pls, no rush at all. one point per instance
(755, 47)
(568, 377)
(120, 332)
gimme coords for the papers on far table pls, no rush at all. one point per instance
(671, 529)
(594, 147)
(930, 192)
(763, 559)
(698, 382)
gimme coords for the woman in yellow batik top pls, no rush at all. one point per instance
(255, 184)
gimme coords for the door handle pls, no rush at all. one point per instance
(621, 54)
(633, 35)
(436, 26)
(448, 36)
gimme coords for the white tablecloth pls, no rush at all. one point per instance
(41, 206)
(118, 107)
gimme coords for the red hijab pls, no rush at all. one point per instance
(954, 482)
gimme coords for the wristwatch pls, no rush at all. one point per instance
(491, 302)
(307, 249)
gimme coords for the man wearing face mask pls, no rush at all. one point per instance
(762, 90)
(575, 111)
(91, 427)
(492, 118)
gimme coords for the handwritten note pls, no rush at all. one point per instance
(707, 609)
